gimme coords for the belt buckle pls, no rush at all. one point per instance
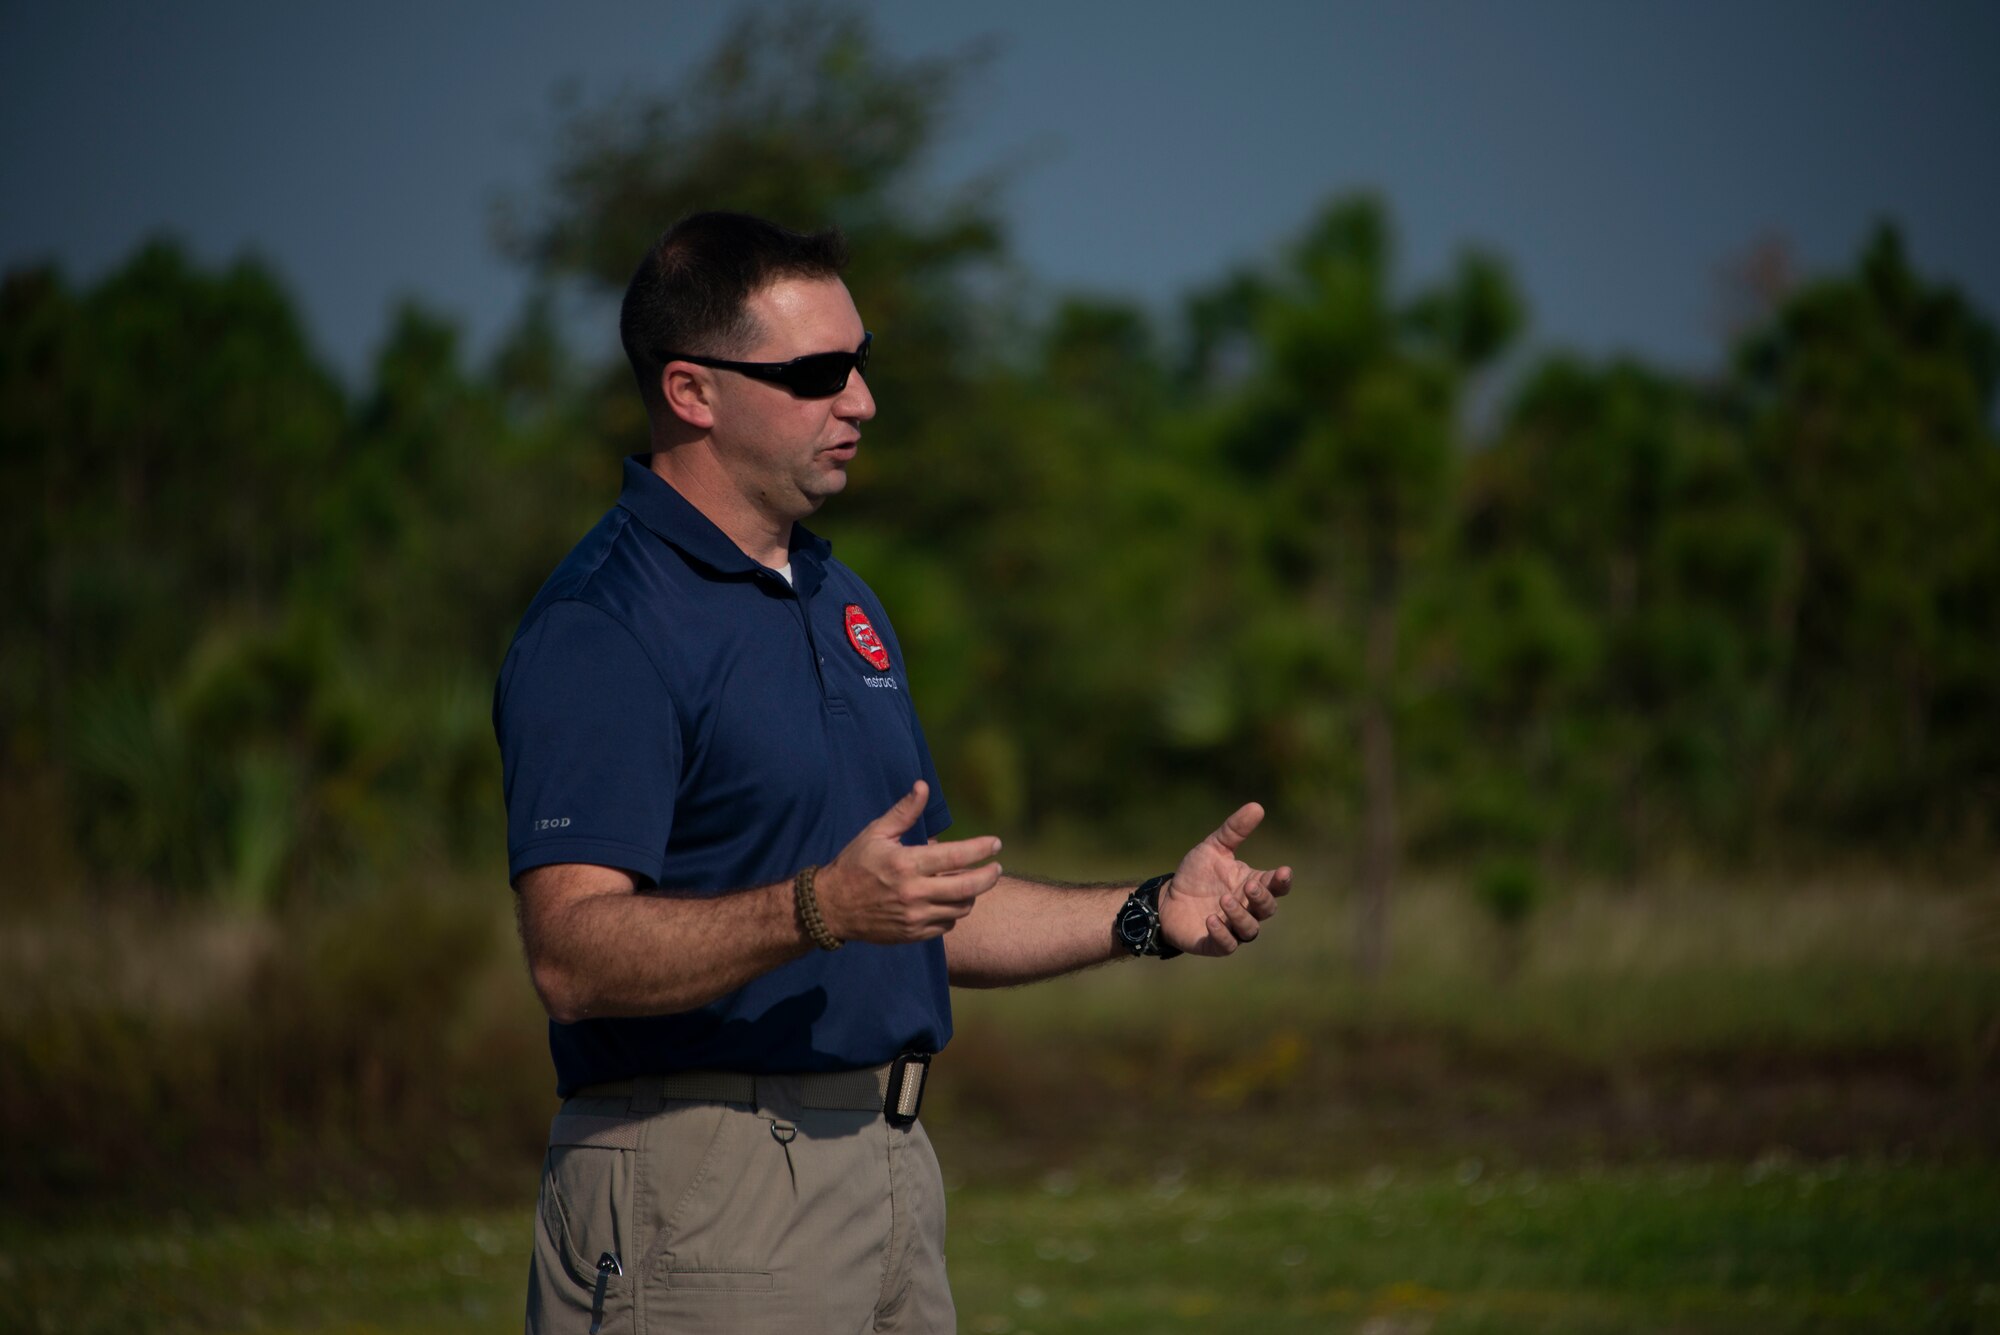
(907, 1077)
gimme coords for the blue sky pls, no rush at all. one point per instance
(1617, 155)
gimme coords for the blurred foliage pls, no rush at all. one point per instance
(385, 1046)
(1143, 567)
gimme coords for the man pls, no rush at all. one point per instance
(723, 827)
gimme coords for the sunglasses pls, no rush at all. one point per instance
(820, 375)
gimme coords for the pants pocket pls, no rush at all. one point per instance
(583, 1242)
(609, 1186)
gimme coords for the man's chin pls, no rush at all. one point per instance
(822, 488)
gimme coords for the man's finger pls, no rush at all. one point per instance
(1259, 900)
(1264, 889)
(1242, 922)
(1219, 934)
(1237, 828)
(955, 855)
(962, 887)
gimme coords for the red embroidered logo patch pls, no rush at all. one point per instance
(864, 639)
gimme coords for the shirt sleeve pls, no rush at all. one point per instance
(590, 745)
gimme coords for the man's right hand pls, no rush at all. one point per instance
(882, 890)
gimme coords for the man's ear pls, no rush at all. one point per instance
(688, 393)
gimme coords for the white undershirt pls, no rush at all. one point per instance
(786, 571)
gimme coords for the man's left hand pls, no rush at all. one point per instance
(1216, 901)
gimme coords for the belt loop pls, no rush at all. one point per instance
(648, 1096)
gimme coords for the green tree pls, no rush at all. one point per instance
(1622, 572)
(1089, 554)
(165, 437)
(1870, 402)
(1347, 417)
(256, 630)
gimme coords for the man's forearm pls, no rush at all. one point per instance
(655, 953)
(597, 946)
(1023, 930)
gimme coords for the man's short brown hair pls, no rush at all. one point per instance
(689, 296)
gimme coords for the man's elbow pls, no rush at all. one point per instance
(554, 909)
(561, 990)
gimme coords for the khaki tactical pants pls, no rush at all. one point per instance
(723, 1202)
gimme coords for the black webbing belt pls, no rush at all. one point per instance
(896, 1090)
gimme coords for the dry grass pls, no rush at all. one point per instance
(145, 959)
(391, 1049)
(1860, 964)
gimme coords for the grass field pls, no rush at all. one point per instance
(1661, 1108)
(1771, 1246)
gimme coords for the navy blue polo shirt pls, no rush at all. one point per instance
(672, 708)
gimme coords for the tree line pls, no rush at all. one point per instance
(1142, 566)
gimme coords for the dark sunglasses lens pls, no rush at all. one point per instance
(820, 376)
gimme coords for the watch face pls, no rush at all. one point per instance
(1135, 926)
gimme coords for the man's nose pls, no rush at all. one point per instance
(856, 404)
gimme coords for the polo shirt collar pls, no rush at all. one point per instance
(653, 502)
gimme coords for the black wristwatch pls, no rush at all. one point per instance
(1137, 926)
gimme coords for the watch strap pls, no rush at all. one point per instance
(1154, 888)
